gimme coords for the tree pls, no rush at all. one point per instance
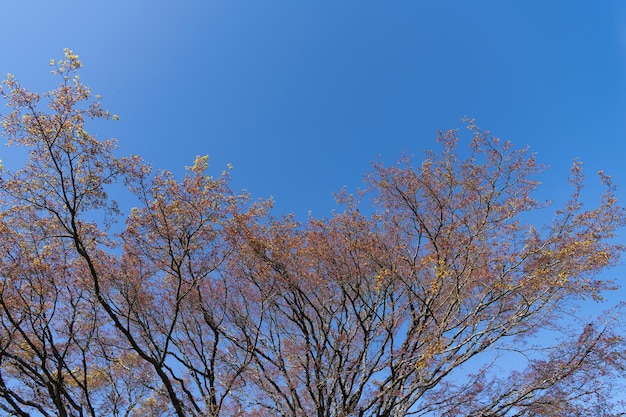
(206, 304)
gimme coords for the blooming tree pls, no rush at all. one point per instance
(206, 304)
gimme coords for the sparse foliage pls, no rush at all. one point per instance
(205, 304)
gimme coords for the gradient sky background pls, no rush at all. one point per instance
(301, 96)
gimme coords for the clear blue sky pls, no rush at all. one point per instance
(300, 96)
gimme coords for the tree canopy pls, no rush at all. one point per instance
(205, 303)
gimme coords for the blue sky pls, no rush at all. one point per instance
(301, 96)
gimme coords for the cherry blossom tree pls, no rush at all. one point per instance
(202, 302)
